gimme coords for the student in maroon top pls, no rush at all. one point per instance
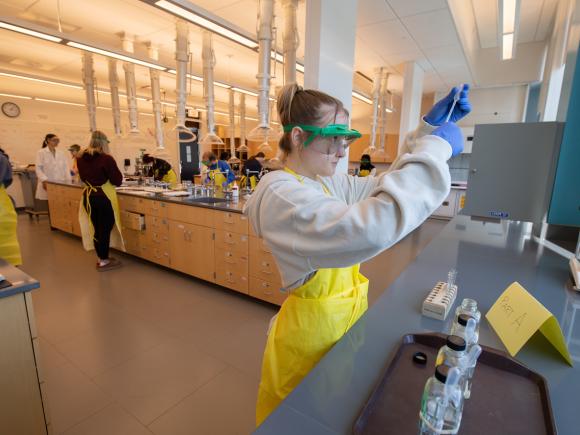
(96, 167)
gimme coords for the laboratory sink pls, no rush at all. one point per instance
(207, 200)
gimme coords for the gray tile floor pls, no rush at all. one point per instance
(145, 350)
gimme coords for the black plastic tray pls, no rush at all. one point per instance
(506, 396)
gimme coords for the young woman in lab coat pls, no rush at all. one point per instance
(51, 165)
(9, 245)
(320, 225)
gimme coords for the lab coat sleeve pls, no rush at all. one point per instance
(326, 231)
(353, 189)
(39, 168)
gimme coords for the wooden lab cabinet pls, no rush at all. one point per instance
(214, 245)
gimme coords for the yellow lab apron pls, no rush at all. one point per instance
(364, 173)
(87, 229)
(170, 177)
(9, 246)
(311, 320)
(218, 177)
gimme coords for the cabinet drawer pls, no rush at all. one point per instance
(132, 221)
(233, 222)
(159, 255)
(73, 193)
(258, 245)
(132, 203)
(231, 241)
(231, 259)
(263, 265)
(191, 215)
(157, 224)
(266, 290)
(233, 278)
(133, 240)
(156, 208)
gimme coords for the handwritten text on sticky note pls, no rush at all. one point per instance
(517, 315)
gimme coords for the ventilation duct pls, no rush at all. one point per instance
(243, 148)
(291, 40)
(233, 159)
(376, 96)
(130, 84)
(156, 98)
(208, 59)
(263, 132)
(380, 152)
(182, 58)
(115, 103)
(89, 85)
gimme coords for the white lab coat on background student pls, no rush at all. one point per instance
(50, 167)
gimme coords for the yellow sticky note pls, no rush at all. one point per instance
(517, 315)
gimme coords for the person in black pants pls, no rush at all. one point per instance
(99, 171)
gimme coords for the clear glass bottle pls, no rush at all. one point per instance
(461, 329)
(454, 354)
(469, 307)
(442, 403)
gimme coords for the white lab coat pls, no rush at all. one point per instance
(51, 167)
(308, 230)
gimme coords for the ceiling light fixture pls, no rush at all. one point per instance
(46, 100)
(8, 26)
(114, 55)
(361, 97)
(16, 96)
(34, 79)
(507, 27)
(244, 91)
(206, 23)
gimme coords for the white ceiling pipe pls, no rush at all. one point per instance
(208, 60)
(89, 85)
(156, 98)
(182, 59)
(233, 159)
(115, 103)
(376, 97)
(130, 84)
(266, 16)
(243, 148)
(291, 40)
(384, 93)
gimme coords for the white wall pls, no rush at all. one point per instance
(22, 137)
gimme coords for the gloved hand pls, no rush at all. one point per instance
(438, 113)
(452, 134)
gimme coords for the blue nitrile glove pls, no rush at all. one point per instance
(452, 134)
(438, 113)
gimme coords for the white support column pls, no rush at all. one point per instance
(412, 96)
(329, 50)
(156, 97)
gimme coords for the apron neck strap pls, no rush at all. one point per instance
(300, 178)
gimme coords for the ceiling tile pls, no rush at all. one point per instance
(546, 20)
(530, 14)
(485, 13)
(456, 76)
(405, 8)
(432, 29)
(373, 11)
(387, 37)
(446, 57)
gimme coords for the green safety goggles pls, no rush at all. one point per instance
(331, 130)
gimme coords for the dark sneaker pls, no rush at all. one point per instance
(112, 264)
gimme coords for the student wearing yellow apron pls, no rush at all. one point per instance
(162, 170)
(9, 246)
(320, 225)
(366, 167)
(215, 170)
(99, 209)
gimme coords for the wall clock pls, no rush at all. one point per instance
(12, 110)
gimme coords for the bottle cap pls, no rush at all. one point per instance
(454, 342)
(462, 319)
(441, 373)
